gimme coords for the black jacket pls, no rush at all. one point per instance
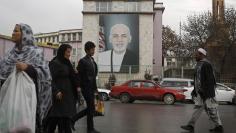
(87, 71)
(63, 81)
(207, 81)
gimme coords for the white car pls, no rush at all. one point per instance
(104, 93)
(223, 93)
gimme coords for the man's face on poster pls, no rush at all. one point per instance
(120, 38)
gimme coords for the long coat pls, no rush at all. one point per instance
(62, 81)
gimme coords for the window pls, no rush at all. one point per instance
(74, 36)
(181, 83)
(168, 83)
(74, 51)
(103, 6)
(69, 37)
(79, 53)
(132, 6)
(135, 84)
(175, 83)
(169, 62)
(148, 84)
(192, 83)
(63, 37)
(80, 36)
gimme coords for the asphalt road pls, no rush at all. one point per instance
(155, 117)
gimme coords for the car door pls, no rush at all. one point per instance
(135, 89)
(150, 91)
(222, 93)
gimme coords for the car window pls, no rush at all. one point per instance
(192, 83)
(135, 84)
(148, 84)
(168, 83)
(174, 83)
(181, 83)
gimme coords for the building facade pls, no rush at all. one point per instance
(72, 37)
(140, 17)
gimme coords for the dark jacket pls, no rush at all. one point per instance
(207, 81)
(87, 72)
(63, 80)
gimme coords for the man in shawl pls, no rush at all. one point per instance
(204, 93)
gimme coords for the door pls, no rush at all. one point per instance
(223, 93)
(150, 91)
(135, 89)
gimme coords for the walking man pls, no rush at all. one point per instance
(204, 93)
(87, 72)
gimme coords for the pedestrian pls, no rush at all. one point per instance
(26, 56)
(64, 88)
(87, 71)
(204, 93)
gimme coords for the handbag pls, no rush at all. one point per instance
(99, 106)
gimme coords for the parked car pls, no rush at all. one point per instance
(223, 93)
(145, 90)
(104, 93)
(176, 83)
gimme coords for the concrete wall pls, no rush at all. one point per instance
(157, 44)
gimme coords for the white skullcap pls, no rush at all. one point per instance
(203, 51)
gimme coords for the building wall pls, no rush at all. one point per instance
(48, 53)
(157, 44)
(5, 46)
(91, 33)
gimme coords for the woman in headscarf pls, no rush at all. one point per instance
(64, 87)
(26, 56)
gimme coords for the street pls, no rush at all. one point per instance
(155, 117)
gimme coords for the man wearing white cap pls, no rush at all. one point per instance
(204, 93)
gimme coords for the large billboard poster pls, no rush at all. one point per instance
(119, 43)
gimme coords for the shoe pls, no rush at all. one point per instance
(93, 131)
(188, 127)
(218, 129)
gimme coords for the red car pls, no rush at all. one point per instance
(145, 90)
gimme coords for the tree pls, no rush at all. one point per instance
(170, 41)
(230, 20)
(200, 27)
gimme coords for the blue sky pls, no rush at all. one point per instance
(54, 15)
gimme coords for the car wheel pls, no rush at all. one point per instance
(125, 98)
(169, 99)
(104, 96)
